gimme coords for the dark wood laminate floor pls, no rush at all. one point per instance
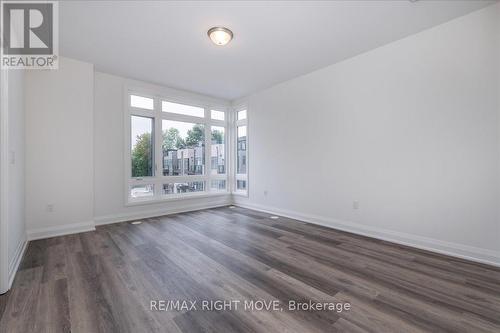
(104, 281)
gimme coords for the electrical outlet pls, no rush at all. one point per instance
(50, 208)
(265, 193)
(355, 204)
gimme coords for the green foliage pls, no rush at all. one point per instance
(172, 139)
(195, 135)
(142, 154)
(217, 137)
(143, 150)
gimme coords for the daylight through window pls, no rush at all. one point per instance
(241, 162)
(175, 149)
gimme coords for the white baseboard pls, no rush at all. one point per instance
(476, 254)
(171, 209)
(16, 260)
(47, 232)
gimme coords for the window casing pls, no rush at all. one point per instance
(174, 148)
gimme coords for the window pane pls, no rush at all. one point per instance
(141, 191)
(182, 109)
(218, 185)
(242, 114)
(141, 102)
(217, 155)
(242, 150)
(141, 146)
(217, 115)
(183, 148)
(241, 185)
(189, 187)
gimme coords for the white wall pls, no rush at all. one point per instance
(13, 230)
(498, 107)
(109, 157)
(75, 152)
(59, 149)
(16, 220)
(410, 130)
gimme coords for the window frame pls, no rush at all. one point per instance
(239, 176)
(158, 179)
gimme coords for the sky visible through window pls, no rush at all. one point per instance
(242, 131)
(181, 126)
(187, 110)
(140, 125)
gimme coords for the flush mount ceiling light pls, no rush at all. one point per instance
(220, 35)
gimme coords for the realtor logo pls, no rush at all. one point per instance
(29, 34)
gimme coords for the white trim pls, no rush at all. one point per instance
(4, 183)
(240, 193)
(157, 115)
(239, 176)
(221, 200)
(16, 260)
(130, 216)
(471, 253)
(67, 229)
(175, 95)
(230, 151)
(177, 197)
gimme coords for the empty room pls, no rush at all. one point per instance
(250, 166)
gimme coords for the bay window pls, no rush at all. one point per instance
(174, 149)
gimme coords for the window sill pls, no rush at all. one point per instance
(241, 193)
(175, 198)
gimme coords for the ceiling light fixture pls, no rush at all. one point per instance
(220, 35)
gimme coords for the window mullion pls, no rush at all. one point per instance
(157, 117)
(158, 150)
(208, 150)
(230, 151)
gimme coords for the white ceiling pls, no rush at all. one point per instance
(166, 43)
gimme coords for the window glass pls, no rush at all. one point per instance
(183, 146)
(218, 185)
(217, 115)
(182, 109)
(241, 185)
(242, 114)
(187, 187)
(141, 146)
(168, 148)
(141, 191)
(141, 102)
(241, 145)
(217, 154)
